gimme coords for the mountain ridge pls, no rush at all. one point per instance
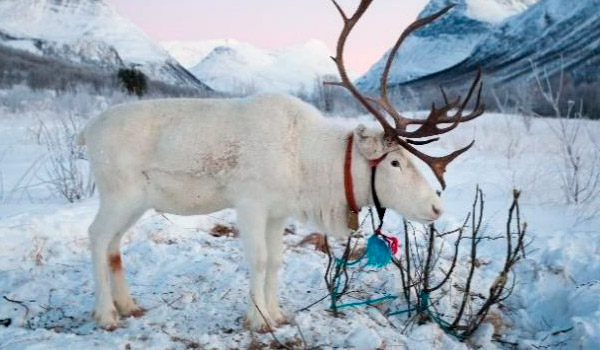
(240, 68)
(554, 38)
(445, 42)
(89, 32)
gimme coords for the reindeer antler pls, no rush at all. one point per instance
(429, 126)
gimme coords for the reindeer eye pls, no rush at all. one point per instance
(395, 163)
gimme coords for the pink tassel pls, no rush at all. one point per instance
(391, 241)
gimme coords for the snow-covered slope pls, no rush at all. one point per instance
(496, 11)
(243, 68)
(86, 31)
(555, 34)
(445, 42)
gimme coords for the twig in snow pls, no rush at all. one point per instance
(22, 305)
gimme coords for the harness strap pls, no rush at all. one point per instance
(349, 186)
(348, 183)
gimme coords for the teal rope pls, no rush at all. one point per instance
(402, 311)
(423, 300)
(368, 301)
(338, 280)
(425, 307)
(348, 262)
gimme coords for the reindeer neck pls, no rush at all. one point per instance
(325, 152)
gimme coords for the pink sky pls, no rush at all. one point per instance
(274, 23)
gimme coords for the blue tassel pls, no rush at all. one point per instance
(378, 252)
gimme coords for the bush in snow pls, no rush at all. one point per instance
(580, 166)
(433, 291)
(66, 171)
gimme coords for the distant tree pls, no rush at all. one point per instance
(133, 80)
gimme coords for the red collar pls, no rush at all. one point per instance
(348, 183)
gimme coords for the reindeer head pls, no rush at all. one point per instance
(399, 183)
(402, 186)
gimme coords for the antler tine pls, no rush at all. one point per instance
(478, 109)
(444, 94)
(349, 23)
(436, 164)
(402, 122)
(472, 88)
(422, 142)
(429, 126)
(340, 10)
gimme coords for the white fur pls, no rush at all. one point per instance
(270, 157)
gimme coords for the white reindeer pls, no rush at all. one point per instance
(270, 157)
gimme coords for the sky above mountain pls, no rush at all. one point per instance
(272, 24)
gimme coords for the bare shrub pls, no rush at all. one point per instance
(430, 287)
(66, 171)
(580, 171)
(580, 166)
(519, 103)
(425, 285)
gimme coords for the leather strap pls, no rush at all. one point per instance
(348, 183)
(380, 210)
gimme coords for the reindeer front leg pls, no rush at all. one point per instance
(274, 258)
(252, 220)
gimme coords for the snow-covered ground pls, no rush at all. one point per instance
(195, 285)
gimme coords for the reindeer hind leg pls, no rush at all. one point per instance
(121, 295)
(113, 219)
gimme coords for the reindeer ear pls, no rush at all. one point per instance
(371, 142)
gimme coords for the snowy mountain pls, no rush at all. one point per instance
(87, 32)
(445, 42)
(190, 53)
(553, 34)
(235, 67)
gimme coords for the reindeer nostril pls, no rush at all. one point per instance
(436, 211)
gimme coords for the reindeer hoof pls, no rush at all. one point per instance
(134, 312)
(138, 312)
(282, 321)
(130, 310)
(264, 329)
(259, 326)
(111, 327)
(108, 321)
